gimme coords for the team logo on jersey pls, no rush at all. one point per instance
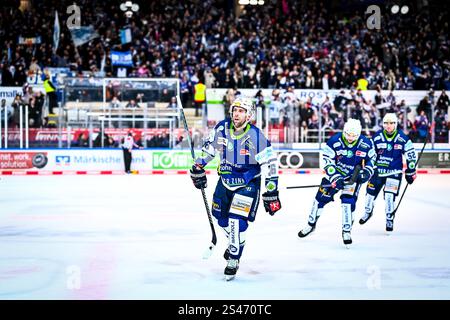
(230, 146)
(233, 249)
(275, 206)
(389, 147)
(361, 154)
(244, 152)
(331, 170)
(271, 186)
(349, 154)
(222, 141)
(398, 147)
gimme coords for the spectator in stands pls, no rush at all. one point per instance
(35, 112)
(50, 91)
(132, 104)
(173, 103)
(425, 106)
(98, 140)
(259, 103)
(16, 107)
(165, 96)
(83, 139)
(441, 126)
(422, 125)
(115, 103)
(227, 100)
(275, 108)
(443, 102)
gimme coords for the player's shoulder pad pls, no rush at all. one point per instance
(378, 135)
(335, 141)
(222, 125)
(402, 137)
(365, 143)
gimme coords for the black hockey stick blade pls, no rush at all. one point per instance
(352, 180)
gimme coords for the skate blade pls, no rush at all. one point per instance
(347, 246)
(230, 277)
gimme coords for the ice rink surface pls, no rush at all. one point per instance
(143, 236)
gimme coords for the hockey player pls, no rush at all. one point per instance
(390, 146)
(341, 155)
(244, 154)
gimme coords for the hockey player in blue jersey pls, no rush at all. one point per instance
(341, 155)
(391, 145)
(245, 153)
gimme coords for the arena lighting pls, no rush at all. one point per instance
(129, 7)
(251, 2)
(396, 9)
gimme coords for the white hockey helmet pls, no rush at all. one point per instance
(352, 130)
(244, 103)
(390, 118)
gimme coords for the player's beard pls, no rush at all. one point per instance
(239, 124)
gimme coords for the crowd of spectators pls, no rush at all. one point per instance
(283, 43)
(285, 110)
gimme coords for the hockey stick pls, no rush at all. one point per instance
(418, 159)
(349, 182)
(208, 252)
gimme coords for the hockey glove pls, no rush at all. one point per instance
(410, 175)
(364, 176)
(338, 183)
(198, 176)
(271, 202)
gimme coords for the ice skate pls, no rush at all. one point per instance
(366, 217)
(306, 230)
(231, 269)
(347, 238)
(389, 225)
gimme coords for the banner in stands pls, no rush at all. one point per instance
(433, 159)
(9, 93)
(23, 160)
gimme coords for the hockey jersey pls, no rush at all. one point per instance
(340, 157)
(390, 151)
(242, 157)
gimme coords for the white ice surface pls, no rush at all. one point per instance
(142, 237)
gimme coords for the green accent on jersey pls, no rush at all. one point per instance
(382, 165)
(331, 170)
(271, 186)
(239, 136)
(389, 137)
(222, 172)
(340, 171)
(412, 165)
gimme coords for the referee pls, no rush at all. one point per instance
(127, 146)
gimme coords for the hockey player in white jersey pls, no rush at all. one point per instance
(245, 154)
(391, 145)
